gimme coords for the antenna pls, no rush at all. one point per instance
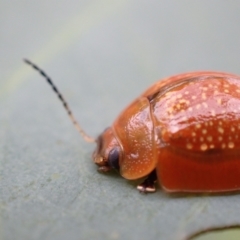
(73, 119)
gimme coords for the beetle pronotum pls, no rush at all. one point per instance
(184, 131)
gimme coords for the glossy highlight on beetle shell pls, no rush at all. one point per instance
(200, 115)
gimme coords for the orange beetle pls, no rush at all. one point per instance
(183, 131)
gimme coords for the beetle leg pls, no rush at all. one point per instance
(148, 185)
(104, 169)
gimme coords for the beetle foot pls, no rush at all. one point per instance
(146, 188)
(148, 185)
(104, 169)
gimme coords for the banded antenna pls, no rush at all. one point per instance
(73, 119)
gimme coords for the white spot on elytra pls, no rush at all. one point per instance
(184, 119)
(204, 131)
(178, 106)
(198, 106)
(204, 96)
(209, 138)
(184, 101)
(170, 110)
(169, 94)
(231, 145)
(205, 105)
(204, 147)
(220, 138)
(211, 146)
(223, 145)
(198, 125)
(194, 97)
(213, 113)
(220, 130)
(193, 134)
(219, 101)
(233, 129)
(189, 146)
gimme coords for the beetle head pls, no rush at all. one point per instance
(108, 152)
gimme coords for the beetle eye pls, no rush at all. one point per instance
(113, 158)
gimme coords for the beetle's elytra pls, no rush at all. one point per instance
(183, 131)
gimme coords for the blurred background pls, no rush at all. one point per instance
(101, 54)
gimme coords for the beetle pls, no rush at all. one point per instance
(183, 131)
